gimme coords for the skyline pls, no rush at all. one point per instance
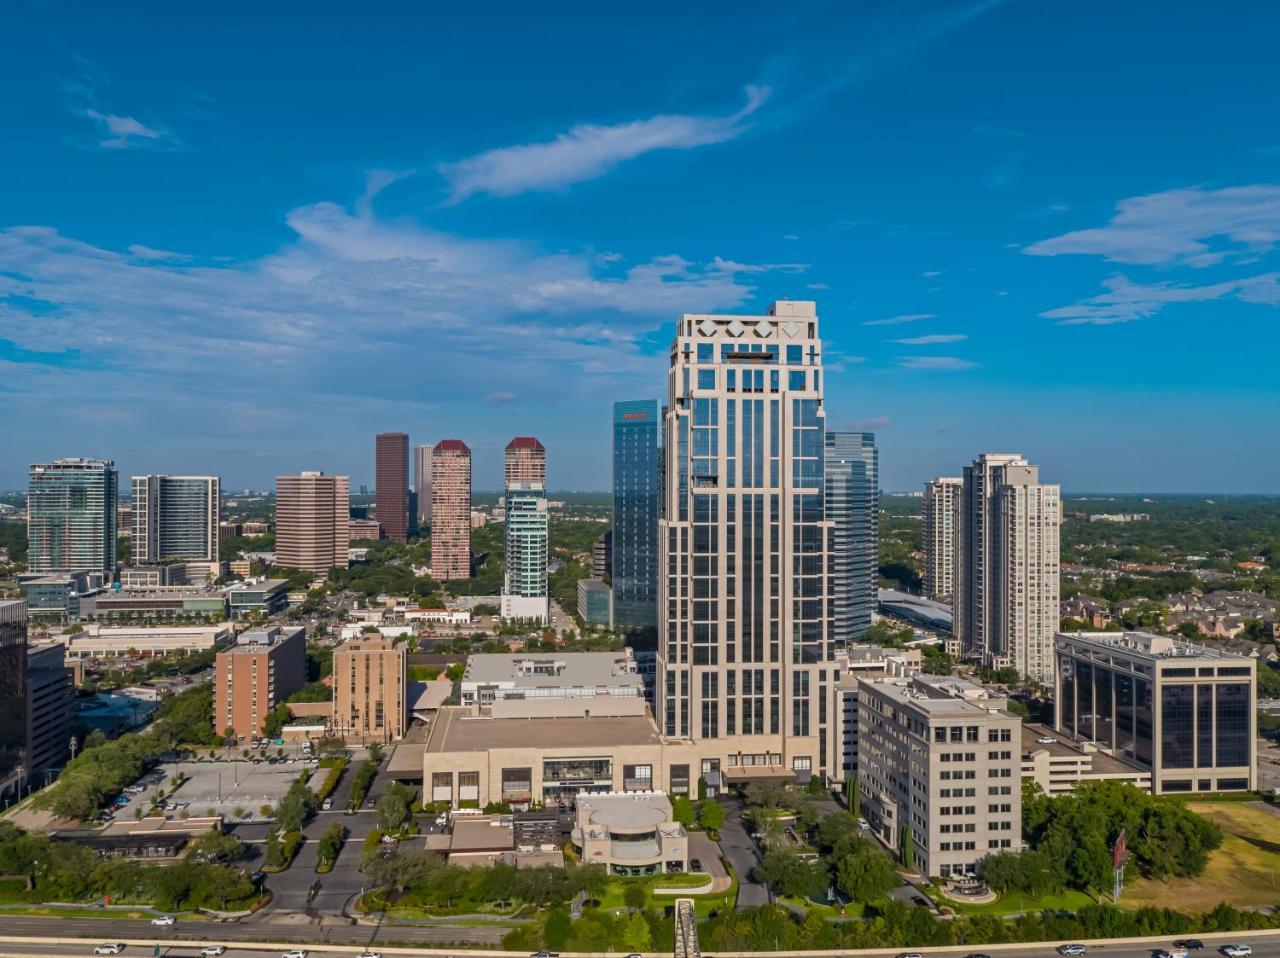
(251, 271)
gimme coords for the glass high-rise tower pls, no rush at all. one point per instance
(175, 517)
(744, 610)
(71, 516)
(852, 502)
(636, 509)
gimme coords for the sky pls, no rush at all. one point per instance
(243, 238)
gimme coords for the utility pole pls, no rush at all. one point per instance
(74, 744)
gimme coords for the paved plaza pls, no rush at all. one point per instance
(223, 787)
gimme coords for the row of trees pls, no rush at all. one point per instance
(858, 868)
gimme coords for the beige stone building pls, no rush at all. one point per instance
(941, 532)
(312, 513)
(370, 688)
(630, 833)
(261, 670)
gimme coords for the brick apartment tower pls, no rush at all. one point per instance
(370, 680)
(312, 512)
(262, 669)
(526, 461)
(450, 510)
(392, 484)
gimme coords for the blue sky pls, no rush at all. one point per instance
(244, 239)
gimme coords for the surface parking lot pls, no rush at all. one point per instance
(221, 788)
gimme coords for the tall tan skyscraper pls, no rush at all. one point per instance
(312, 512)
(422, 480)
(1007, 588)
(526, 461)
(941, 531)
(744, 630)
(451, 510)
(370, 676)
(392, 484)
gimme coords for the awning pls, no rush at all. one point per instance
(758, 773)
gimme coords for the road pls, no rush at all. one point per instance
(741, 852)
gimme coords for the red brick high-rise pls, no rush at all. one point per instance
(450, 510)
(526, 461)
(392, 484)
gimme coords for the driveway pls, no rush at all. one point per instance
(708, 853)
(741, 852)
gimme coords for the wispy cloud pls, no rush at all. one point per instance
(1180, 227)
(1125, 301)
(899, 320)
(156, 255)
(127, 132)
(500, 398)
(817, 286)
(868, 425)
(722, 265)
(935, 362)
(589, 151)
(932, 340)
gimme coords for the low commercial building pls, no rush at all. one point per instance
(528, 677)
(153, 576)
(262, 596)
(595, 601)
(370, 689)
(438, 616)
(358, 529)
(1057, 764)
(1184, 712)
(149, 838)
(939, 765)
(97, 641)
(261, 670)
(630, 833)
(56, 598)
(163, 604)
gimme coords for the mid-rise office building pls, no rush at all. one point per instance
(1184, 712)
(51, 708)
(312, 515)
(525, 461)
(71, 516)
(176, 517)
(370, 683)
(252, 677)
(595, 601)
(422, 480)
(1007, 595)
(450, 510)
(637, 506)
(744, 642)
(392, 484)
(602, 555)
(853, 507)
(524, 589)
(942, 497)
(13, 695)
(940, 766)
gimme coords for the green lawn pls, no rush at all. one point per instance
(1068, 900)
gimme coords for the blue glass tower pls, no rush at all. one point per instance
(852, 500)
(636, 498)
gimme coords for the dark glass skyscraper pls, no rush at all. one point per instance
(852, 500)
(636, 497)
(13, 696)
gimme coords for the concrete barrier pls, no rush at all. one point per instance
(703, 889)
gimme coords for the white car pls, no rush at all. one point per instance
(164, 920)
(1237, 951)
(1046, 740)
(863, 823)
(369, 954)
(109, 948)
(1072, 949)
(212, 951)
(296, 953)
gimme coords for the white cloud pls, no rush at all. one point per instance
(933, 273)
(589, 151)
(125, 132)
(935, 362)
(790, 236)
(818, 286)
(158, 255)
(500, 398)
(868, 425)
(1126, 301)
(932, 340)
(731, 266)
(899, 320)
(1190, 227)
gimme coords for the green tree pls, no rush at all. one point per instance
(394, 807)
(711, 814)
(633, 896)
(863, 871)
(784, 871)
(636, 936)
(908, 849)
(682, 811)
(557, 928)
(217, 848)
(276, 720)
(331, 842)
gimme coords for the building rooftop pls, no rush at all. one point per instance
(255, 640)
(257, 585)
(557, 670)
(454, 730)
(1065, 746)
(453, 445)
(524, 442)
(917, 608)
(483, 833)
(1149, 645)
(624, 811)
(942, 695)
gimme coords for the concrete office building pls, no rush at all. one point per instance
(853, 664)
(262, 669)
(853, 507)
(71, 516)
(312, 515)
(942, 497)
(744, 655)
(108, 642)
(392, 484)
(370, 685)
(524, 589)
(630, 833)
(176, 517)
(422, 481)
(1007, 594)
(595, 601)
(450, 510)
(13, 695)
(51, 708)
(525, 461)
(939, 765)
(637, 506)
(1183, 712)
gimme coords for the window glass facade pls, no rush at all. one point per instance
(636, 499)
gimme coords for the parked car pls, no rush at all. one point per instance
(212, 951)
(1237, 951)
(1072, 949)
(1046, 740)
(109, 948)
(164, 920)
(863, 823)
(326, 804)
(296, 953)
(920, 900)
(695, 865)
